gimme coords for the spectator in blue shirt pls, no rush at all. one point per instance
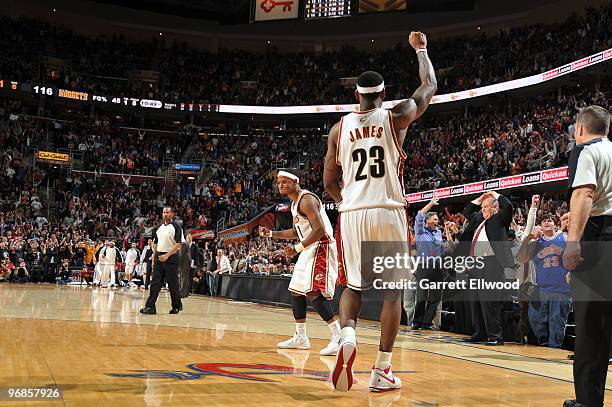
(429, 241)
(550, 305)
(429, 246)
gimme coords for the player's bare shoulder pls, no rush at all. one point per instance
(334, 133)
(331, 158)
(309, 204)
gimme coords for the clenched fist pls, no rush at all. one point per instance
(417, 40)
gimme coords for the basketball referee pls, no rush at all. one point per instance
(587, 253)
(167, 239)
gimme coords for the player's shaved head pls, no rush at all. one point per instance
(370, 79)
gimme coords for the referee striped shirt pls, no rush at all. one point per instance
(167, 236)
(591, 164)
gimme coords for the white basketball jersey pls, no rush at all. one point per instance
(302, 224)
(372, 161)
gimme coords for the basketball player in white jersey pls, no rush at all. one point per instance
(99, 267)
(131, 259)
(104, 270)
(316, 269)
(110, 258)
(365, 153)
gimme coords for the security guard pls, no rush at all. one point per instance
(587, 253)
(166, 245)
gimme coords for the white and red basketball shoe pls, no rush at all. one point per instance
(332, 347)
(383, 380)
(296, 342)
(342, 375)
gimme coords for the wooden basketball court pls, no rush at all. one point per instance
(95, 345)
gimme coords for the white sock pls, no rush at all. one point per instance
(383, 360)
(334, 327)
(300, 328)
(348, 333)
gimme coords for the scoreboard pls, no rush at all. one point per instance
(267, 10)
(326, 8)
(53, 92)
(4, 84)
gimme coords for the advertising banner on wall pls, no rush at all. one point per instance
(266, 10)
(512, 181)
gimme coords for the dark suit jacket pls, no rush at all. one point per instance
(148, 254)
(196, 255)
(185, 269)
(496, 227)
(185, 257)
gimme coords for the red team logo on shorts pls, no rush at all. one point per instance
(296, 219)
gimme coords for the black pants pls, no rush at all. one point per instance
(49, 271)
(200, 287)
(185, 281)
(524, 326)
(487, 304)
(37, 275)
(168, 271)
(593, 317)
(427, 300)
(146, 275)
(462, 304)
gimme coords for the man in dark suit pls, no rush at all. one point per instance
(196, 259)
(185, 266)
(146, 258)
(489, 218)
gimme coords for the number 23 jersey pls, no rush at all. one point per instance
(372, 161)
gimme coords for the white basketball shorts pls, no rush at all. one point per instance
(316, 270)
(366, 225)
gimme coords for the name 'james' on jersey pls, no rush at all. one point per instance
(372, 161)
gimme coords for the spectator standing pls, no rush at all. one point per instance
(429, 246)
(550, 304)
(223, 266)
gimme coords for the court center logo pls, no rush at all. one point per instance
(241, 371)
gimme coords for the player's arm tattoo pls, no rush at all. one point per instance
(411, 109)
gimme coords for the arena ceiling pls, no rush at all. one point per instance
(238, 11)
(223, 11)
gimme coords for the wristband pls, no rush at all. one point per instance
(421, 50)
(299, 247)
